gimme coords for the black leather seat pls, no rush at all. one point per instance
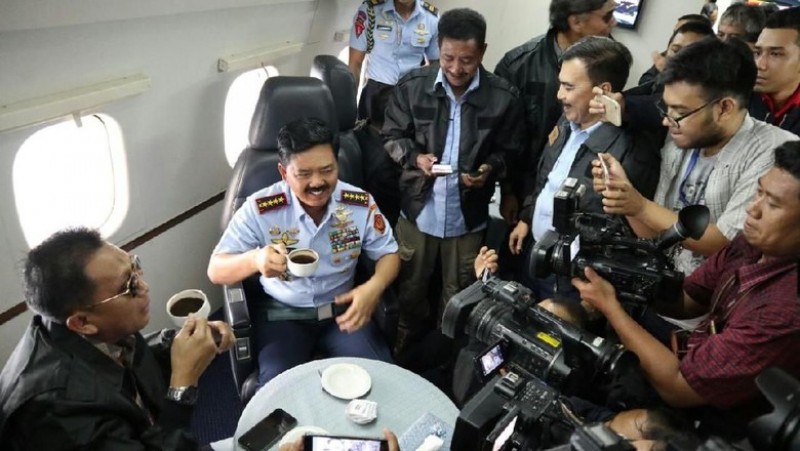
(282, 100)
(340, 82)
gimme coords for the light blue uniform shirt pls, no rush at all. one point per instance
(351, 224)
(399, 44)
(441, 216)
(543, 212)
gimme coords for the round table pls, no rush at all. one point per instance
(402, 398)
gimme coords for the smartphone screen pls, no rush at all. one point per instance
(268, 431)
(488, 362)
(327, 443)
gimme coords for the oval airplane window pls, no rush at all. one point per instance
(68, 175)
(239, 106)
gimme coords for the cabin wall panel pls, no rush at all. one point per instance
(173, 133)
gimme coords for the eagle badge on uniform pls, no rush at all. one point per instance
(359, 25)
(270, 203)
(379, 223)
(355, 198)
(285, 239)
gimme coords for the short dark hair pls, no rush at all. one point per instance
(718, 68)
(606, 60)
(302, 134)
(55, 273)
(788, 18)
(463, 24)
(695, 18)
(787, 158)
(560, 10)
(703, 29)
(752, 18)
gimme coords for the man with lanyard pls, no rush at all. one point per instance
(310, 208)
(749, 290)
(777, 91)
(713, 156)
(465, 121)
(398, 35)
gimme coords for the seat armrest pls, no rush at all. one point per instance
(238, 317)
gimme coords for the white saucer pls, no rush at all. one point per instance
(346, 381)
(298, 432)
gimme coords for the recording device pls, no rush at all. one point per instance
(535, 343)
(638, 268)
(268, 431)
(325, 443)
(613, 110)
(488, 362)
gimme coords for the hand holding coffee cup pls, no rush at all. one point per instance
(271, 260)
(303, 262)
(186, 302)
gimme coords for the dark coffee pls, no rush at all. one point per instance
(185, 306)
(303, 259)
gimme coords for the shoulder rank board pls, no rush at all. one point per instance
(430, 8)
(270, 203)
(355, 198)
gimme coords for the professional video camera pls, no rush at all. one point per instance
(638, 268)
(533, 341)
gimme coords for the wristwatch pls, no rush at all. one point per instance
(183, 395)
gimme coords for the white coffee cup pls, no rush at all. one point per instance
(302, 262)
(181, 304)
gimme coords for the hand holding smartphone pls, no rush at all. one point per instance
(604, 165)
(613, 109)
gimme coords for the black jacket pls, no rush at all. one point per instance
(59, 392)
(417, 122)
(533, 68)
(759, 109)
(638, 153)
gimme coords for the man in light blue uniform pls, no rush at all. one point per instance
(399, 35)
(310, 208)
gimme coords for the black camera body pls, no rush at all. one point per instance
(537, 343)
(638, 268)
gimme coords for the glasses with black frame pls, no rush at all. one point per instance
(132, 286)
(675, 122)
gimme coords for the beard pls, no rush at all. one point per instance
(713, 134)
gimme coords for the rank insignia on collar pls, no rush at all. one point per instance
(270, 203)
(285, 239)
(355, 198)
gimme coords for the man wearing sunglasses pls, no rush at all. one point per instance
(713, 156)
(533, 68)
(82, 376)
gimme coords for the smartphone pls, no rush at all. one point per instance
(268, 431)
(603, 164)
(613, 110)
(333, 443)
(488, 362)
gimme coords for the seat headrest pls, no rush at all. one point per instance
(285, 99)
(338, 78)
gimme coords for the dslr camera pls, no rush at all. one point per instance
(638, 268)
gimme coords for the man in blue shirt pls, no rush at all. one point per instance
(593, 66)
(398, 35)
(465, 121)
(310, 208)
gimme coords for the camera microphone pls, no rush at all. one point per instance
(692, 223)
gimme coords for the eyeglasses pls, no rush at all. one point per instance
(675, 122)
(132, 286)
